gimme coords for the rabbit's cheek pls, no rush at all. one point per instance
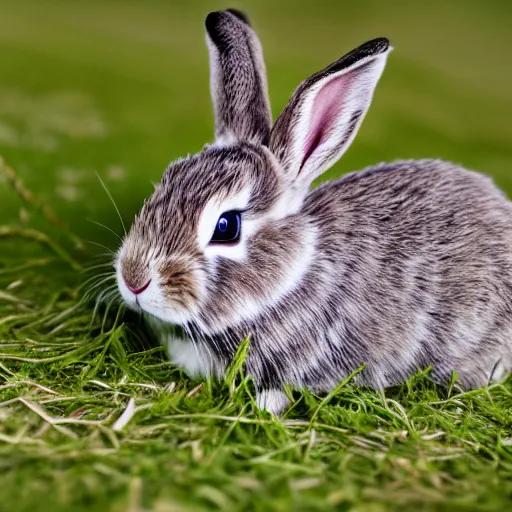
(167, 304)
(277, 262)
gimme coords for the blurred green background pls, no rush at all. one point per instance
(120, 88)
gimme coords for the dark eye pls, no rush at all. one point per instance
(228, 228)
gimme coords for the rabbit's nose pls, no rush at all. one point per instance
(137, 291)
(134, 276)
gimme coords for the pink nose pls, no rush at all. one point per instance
(136, 291)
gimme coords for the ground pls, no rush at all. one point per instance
(92, 416)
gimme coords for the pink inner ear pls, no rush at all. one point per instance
(327, 108)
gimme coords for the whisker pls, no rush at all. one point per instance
(113, 202)
(97, 266)
(105, 227)
(105, 315)
(97, 303)
(101, 245)
(103, 274)
(108, 289)
(95, 279)
(110, 297)
(110, 263)
(103, 281)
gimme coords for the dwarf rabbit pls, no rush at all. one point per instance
(400, 266)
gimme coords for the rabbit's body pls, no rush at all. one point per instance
(399, 267)
(415, 271)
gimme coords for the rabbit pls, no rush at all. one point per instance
(400, 267)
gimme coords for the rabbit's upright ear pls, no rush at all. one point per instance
(238, 79)
(325, 112)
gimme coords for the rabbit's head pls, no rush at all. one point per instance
(222, 237)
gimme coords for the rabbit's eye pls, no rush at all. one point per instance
(228, 227)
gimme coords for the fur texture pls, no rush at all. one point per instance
(400, 266)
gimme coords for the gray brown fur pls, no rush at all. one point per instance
(412, 262)
(414, 269)
(241, 105)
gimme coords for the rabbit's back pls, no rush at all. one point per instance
(419, 259)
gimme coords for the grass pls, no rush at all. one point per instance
(92, 415)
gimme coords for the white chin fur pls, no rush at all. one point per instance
(274, 401)
(193, 358)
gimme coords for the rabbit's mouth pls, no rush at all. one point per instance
(155, 300)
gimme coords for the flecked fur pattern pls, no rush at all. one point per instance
(397, 267)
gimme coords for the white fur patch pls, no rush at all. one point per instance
(500, 372)
(194, 359)
(274, 401)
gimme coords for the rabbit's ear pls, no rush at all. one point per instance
(325, 112)
(238, 79)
